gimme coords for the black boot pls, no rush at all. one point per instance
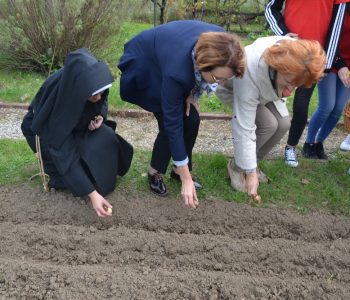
(309, 150)
(320, 151)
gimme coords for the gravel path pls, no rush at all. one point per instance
(214, 135)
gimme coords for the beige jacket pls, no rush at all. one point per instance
(245, 94)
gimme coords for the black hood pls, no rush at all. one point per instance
(61, 100)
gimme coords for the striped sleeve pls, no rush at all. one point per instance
(275, 18)
(332, 43)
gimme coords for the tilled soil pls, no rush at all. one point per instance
(54, 247)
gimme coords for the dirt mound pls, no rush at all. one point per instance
(54, 247)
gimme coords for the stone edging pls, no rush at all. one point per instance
(124, 113)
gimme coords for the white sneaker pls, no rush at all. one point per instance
(345, 145)
(290, 157)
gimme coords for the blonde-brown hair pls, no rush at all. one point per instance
(220, 49)
(305, 60)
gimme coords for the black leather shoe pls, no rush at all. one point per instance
(157, 185)
(196, 183)
(320, 151)
(309, 150)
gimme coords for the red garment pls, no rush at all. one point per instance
(313, 13)
(344, 45)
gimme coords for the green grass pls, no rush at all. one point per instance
(313, 185)
(17, 162)
(17, 86)
(21, 87)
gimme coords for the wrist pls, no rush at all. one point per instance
(92, 195)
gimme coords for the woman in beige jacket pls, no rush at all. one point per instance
(275, 67)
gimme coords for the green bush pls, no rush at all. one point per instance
(37, 35)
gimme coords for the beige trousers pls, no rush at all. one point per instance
(271, 128)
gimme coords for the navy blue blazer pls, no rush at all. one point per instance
(158, 74)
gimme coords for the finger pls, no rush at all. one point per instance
(196, 202)
(103, 213)
(107, 207)
(98, 213)
(185, 198)
(188, 107)
(192, 202)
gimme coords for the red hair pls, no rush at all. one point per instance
(305, 60)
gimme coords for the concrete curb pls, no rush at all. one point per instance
(124, 113)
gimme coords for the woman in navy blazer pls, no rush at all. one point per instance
(164, 70)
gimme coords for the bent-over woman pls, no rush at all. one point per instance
(275, 67)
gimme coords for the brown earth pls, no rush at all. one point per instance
(54, 247)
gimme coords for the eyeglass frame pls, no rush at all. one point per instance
(217, 80)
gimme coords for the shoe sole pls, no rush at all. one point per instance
(291, 165)
(159, 195)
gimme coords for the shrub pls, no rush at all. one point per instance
(36, 35)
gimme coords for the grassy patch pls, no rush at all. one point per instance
(324, 186)
(21, 87)
(17, 162)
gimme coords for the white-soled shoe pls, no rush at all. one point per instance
(345, 145)
(290, 157)
(237, 179)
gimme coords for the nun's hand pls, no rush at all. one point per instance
(96, 123)
(100, 204)
(190, 101)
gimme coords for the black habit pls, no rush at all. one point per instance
(75, 157)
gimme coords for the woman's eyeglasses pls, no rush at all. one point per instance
(217, 80)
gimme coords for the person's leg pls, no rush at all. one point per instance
(341, 97)
(191, 127)
(326, 102)
(271, 128)
(266, 126)
(161, 149)
(160, 159)
(298, 123)
(300, 113)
